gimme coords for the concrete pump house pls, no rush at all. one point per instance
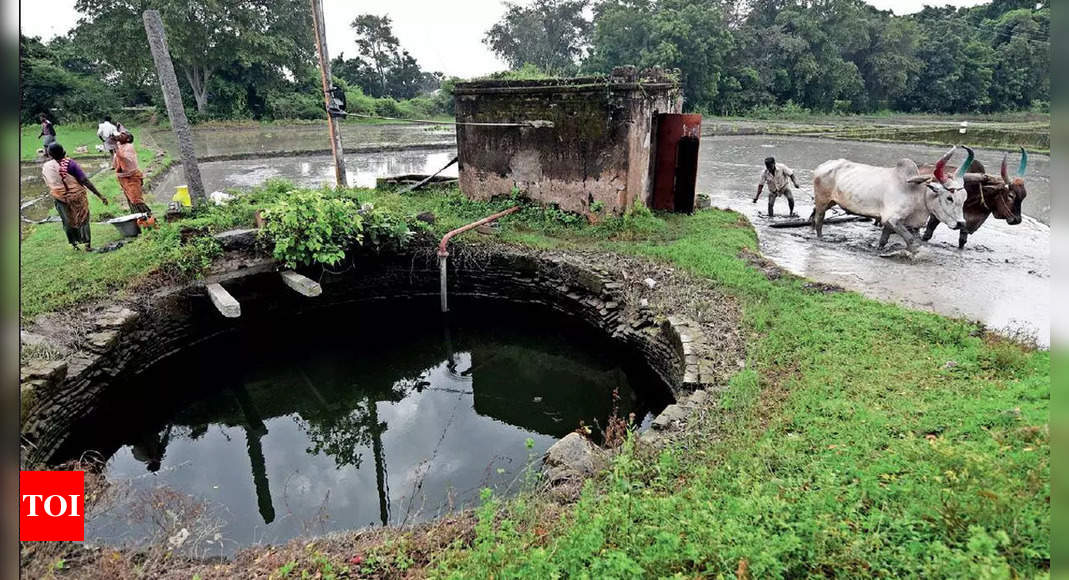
(568, 142)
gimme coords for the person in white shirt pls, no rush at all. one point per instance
(776, 175)
(107, 131)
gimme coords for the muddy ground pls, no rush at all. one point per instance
(1001, 278)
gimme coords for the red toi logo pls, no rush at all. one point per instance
(51, 506)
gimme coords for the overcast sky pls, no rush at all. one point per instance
(443, 36)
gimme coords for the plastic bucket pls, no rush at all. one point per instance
(181, 195)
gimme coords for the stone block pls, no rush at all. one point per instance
(591, 281)
(27, 397)
(301, 284)
(79, 363)
(242, 239)
(101, 341)
(49, 370)
(31, 339)
(226, 304)
(574, 456)
(699, 397)
(116, 317)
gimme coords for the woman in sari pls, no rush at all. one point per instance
(128, 173)
(67, 183)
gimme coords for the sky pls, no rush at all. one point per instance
(442, 36)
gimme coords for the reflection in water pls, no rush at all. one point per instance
(303, 137)
(361, 169)
(368, 416)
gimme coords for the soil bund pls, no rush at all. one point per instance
(608, 292)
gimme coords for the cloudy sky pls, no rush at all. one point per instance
(441, 35)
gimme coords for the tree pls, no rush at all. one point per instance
(204, 36)
(53, 79)
(690, 35)
(379, 48)
(1021, 61)
(383, 68)
(551, 34)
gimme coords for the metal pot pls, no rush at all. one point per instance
(127, 224)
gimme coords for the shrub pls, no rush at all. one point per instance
(319, 227)
(188, 259)
(387, 107)
(287, 105)
(384, 230)
(308, 228)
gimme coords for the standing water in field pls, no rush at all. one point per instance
(362, 170)
(359, 416)
(1001, 278)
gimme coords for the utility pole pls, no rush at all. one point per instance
(172, 98)
(324, 69)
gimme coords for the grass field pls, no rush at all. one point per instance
(862, 439)
(55, 276)
(70, 136)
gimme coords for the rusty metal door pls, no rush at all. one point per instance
(676, 167)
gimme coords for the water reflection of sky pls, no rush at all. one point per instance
(361, 169)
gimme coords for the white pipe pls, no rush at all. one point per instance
(442, 276)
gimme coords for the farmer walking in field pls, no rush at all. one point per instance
(776, 175)
(106, 131)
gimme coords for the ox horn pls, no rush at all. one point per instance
(939, 165)
(1024, 163)
(1004, 171)
(968, 163)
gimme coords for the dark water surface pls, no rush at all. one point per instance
(352, 418)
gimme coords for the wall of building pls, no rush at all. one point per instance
(596, 150)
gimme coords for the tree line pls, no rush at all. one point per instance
(255, 59)
(738, 56)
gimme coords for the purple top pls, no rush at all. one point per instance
(74, 169)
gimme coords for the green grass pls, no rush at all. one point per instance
(846, 448)
(862, 439)
(70, 136)
(54, 276)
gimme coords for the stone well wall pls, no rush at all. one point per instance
(598, 148)
(125, 339)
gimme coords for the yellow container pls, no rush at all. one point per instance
(181, 195)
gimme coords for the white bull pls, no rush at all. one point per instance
(898, 196)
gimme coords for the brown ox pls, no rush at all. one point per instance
(987, 194)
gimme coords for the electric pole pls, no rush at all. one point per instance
(324, 69)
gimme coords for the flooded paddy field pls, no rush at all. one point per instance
(1001, 278)
(211, 141)
(362, 169)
